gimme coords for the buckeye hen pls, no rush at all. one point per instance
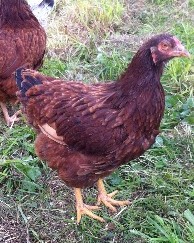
(22, 43)
(85, 131)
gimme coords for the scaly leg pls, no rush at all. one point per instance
(106, 199)
(9, 120)
(83, 208)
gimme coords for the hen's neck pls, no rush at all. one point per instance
(16, 13)
(141, 72)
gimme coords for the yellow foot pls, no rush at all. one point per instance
(86, 209)
(106, 199)
(10, 120)
(83, 208)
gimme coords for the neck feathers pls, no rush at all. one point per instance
(142, 71)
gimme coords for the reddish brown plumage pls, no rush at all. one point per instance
(22, 43)
(102, 126)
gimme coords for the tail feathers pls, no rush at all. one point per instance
(49, 3)
(42, 10)
(26, 80)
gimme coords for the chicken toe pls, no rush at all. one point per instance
(83, 208)
(106, 199)
(9, 119)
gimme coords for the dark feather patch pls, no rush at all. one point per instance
(19, 78)
(25, 82)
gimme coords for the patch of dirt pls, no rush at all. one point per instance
(11, 229)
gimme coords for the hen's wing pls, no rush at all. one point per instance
(78, 113)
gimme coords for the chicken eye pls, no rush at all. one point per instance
(165, 46)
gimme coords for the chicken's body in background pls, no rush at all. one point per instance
(42, 9)
(85, 131)
(22, 43)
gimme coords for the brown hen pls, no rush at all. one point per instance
(85, 131)
(22, 43)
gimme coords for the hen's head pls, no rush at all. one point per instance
(164, 47)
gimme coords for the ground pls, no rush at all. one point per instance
(94, 41)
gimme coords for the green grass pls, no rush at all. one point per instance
(94, 41)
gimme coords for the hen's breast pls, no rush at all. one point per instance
(33, 43)
(141, 119)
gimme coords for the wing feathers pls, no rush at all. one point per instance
(72, 107)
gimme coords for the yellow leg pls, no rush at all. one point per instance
(106, 199)
(83, 208)
(9, 120)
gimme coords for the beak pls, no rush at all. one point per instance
(180, 51)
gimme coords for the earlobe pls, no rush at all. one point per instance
(153, 53)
